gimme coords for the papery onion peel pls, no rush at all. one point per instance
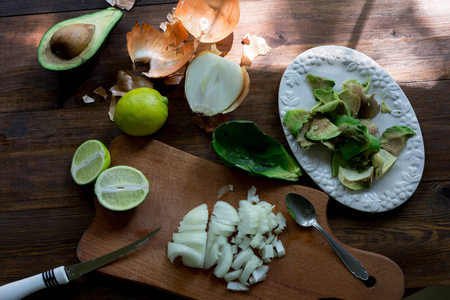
(126, 82)
(253, 46)
(124, 4)
(165, 51)
(209, 21)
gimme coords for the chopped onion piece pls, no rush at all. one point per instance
(87, 99)
(189, 256)
(193, 239)
(241, 258)
(225, 189)
(251, 195)
(259, 274)
(211, 257)
(272, 220)
(267, 252)
(280, 249)
(226, 213)
(225, 260)
(196, 219)
(245, 242)
(250, 266)
(236, 286)
(221, 229)
(256, 240)
(230, 276)
(267, 206)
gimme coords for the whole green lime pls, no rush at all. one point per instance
(141, 111)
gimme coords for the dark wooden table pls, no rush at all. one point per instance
(43, 119)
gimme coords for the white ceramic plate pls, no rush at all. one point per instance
(341, 63)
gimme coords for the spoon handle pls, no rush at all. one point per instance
(355, 267)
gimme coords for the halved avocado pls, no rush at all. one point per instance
(72, 42)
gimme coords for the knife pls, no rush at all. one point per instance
(62, 275)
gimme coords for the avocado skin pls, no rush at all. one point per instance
(104, 21)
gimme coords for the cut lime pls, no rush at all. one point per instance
(89, 160)
(121, 188)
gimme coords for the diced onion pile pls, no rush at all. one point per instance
(239, 244)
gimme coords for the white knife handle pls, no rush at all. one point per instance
(19, 289)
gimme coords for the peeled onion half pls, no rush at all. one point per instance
(209, 21)
(165, 51)
(215, 84)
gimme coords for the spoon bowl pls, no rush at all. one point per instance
(304, 213)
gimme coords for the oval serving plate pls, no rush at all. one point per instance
(341, 63)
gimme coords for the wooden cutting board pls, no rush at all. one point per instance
(179, 182)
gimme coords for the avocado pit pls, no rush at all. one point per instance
(71, 40)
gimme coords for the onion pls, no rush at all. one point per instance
(230, 276)
(239, 243)
(196, 219)
(189, 256)
(280, 249)
(209, 21)
(190, 241)
(259, 274)
(225, 260)
(220, 228)
(225, 189)
(215, 84)
(250, 266)
(241, 258)
(236, 286)
(256, 240)
(226, 213)
(251, 195)
(212, 256)
(193, 239)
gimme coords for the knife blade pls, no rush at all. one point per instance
(64, 274)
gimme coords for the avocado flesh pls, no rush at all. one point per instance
(355, 180)
(383, 162)
(104, 21)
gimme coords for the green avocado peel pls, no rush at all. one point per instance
(241, 144)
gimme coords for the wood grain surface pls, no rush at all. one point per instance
(180, 182)
(43, 213)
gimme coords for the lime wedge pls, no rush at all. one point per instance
(121, 188)
(89, 160)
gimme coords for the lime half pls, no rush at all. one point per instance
(121, 188)
(89, 160)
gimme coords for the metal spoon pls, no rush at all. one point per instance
(304, 213)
